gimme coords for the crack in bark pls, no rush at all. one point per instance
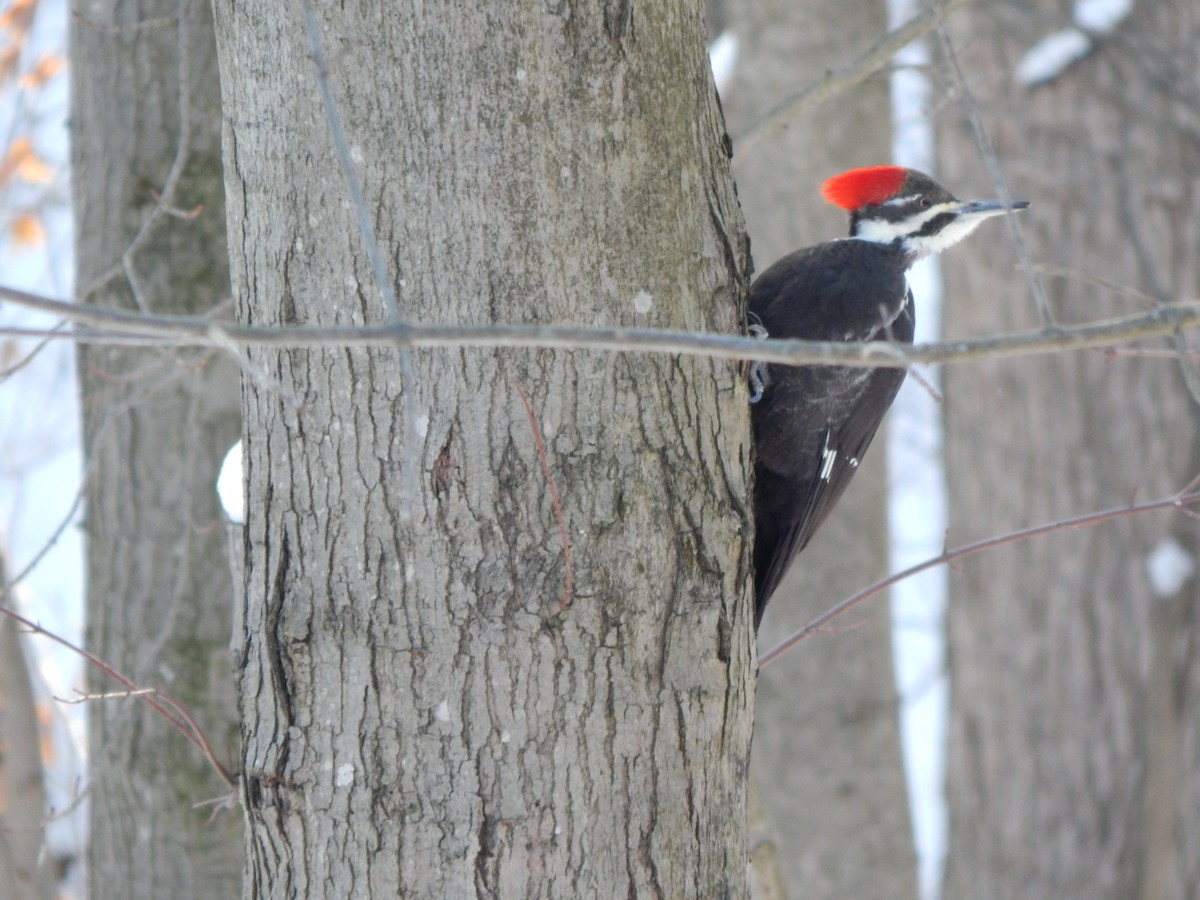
(273, 650)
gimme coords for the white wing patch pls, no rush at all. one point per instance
(887, 321)
(828, 458)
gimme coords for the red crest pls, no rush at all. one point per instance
(862, 187)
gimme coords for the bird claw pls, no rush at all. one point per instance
(758, 374)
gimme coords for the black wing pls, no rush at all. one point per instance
(814, 423)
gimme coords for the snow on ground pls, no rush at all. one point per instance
(1053, 54)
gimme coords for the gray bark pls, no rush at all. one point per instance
(155, 426)
(26, 869)
(1075, 765)
(826, 745)
(431, 708)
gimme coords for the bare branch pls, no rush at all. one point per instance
(29, 357)
(337, 133)
(166, 197)
(109, 326)
(176, 714)
(50, 542)
(1179, 501)
(841, 79)
(367, 231)
(993, 165)
(1087, 278)
(255, 373)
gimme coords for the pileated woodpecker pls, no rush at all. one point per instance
(812, 424)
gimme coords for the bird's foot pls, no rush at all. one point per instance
(758, 374)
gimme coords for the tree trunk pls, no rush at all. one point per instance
(826, 744)
(1074, 764)
(155, 426)
(443, 694)
(26, 867)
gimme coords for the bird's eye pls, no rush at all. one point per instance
(924, 203)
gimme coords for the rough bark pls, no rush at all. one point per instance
(1075, 764)
(826, 744)
(26, 869)
(432, 706)
(155, 426)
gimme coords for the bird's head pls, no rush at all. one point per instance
(891, 205)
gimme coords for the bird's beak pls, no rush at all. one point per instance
(982, 209)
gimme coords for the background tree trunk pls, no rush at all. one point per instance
(26, 868)
(826, 743)
(155, 426)
(435, 703)
(1075, 764)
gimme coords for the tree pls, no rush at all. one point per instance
(156, 424)
(497, 631)
(1073, 754)
(498, 628)
(25, 871)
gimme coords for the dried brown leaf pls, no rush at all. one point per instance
(22, 160)
(18, 16)
(27, 231)
(47, 66)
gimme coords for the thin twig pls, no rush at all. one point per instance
(840, 79)
(1179, 500)
(110, 695)
(157, 700)
(108, 326)
(337, 133)
(29, 357)
(1187, 367)
(1182, 352)
(1133, 229)
(7, 587)
(988, 152)
(49, 543)
(927, 385)
(167, 195)
(1097, 281)
(256, 374)
(383, 283)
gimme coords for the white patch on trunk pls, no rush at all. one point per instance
(1169, 566)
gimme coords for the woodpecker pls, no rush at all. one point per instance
(812, 424)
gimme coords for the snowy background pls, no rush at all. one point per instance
(41, 467)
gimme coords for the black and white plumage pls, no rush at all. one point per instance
(812, 424)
